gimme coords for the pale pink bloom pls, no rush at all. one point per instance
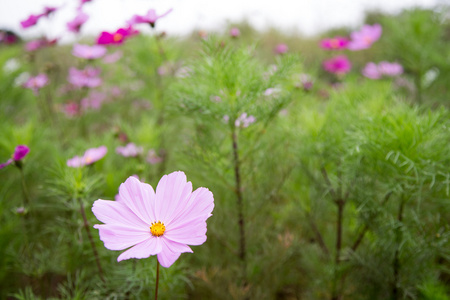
(281, 49)
(71, 109)
(90, 156)
(130, 150)
(113, 57)
(226, 118)
(244, 121)
(37, 82)
(365, 37)
(116, 91)
(371, 71)
(162, 223)
(93, 101)
(306, 82)
(77, 22)
(31, 20)
(337, 65)
(35, 45)
(152, 157)
(235, 32)
(88, 52)
(150, 18)
(183, 72)
(272, 92)
(85, 78)
(216, 99)
(390, 69)
(19, 153)
(335, 43)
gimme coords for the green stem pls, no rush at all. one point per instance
(157, 279)
(24, 187)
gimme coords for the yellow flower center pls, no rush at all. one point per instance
(117, 37)
(157, 228)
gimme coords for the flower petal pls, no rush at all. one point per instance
(167, 257)
(190, 232)
(199, 204)
(140, 198)
(175, 247)
(118, 237)
(144, 249)
(172, 191)
(114, 212)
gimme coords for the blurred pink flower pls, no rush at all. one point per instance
(113, 57)
(162, 223)
(244, 121)
(48, 10)
(88, 52)
(37, 82)
(85, 78)
(117, 37)
(71, 109)
(281, 49)
(39, 43)
(150, 18)
(337, 65)
(152, 157)
(130, 150)
(371, 71)
(93, 101)
(335, 43)
(235, 32)
(365, 37)
(31, 21)
(90, 156)
(77, 22)
(390, 69)
(19, 153)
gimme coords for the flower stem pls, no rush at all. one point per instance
(24, 187)
(157, 279)
(396, 263)
(242, 250)
(91, 240)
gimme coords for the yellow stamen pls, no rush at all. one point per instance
(117, 37)
(157, 228)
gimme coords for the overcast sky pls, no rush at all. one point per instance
(307, 16)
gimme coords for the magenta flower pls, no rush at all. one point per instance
(90, 156)
(335, 43)
(281, 49)
(244, 121)
(85, 78)
(37, 82)
(117, 37)
(337, 65)
(365, 37)
(371, 71)
(19, 153)
(390, 69)
(152, 157)
(235, 32)
(88, 52)
(37, 44)
(31, 21)
(130, 150)
(162, 223)
(48, 10)
(75, 25)
(71, 109)
(150, 18)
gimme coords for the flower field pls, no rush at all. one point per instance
(226, 165)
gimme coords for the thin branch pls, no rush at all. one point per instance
(328, 182)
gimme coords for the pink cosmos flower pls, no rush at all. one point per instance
(113, 57)
(31, 21)
(130, 150)
(335, 43)
(93, 101)
(244, 121)
(85, 78)
(75, 25)
(281, 49)
(162, 223)
(90, 156)
(88, 52)
(48, 10)
(39, 43)
(365, 37)
(150, 18)
(19, 153)
(115, 38)
(371, 71)
(37, 82)
(71, 109)
(337, 65)
(152, 157)
(390, 69)
(235, 32)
